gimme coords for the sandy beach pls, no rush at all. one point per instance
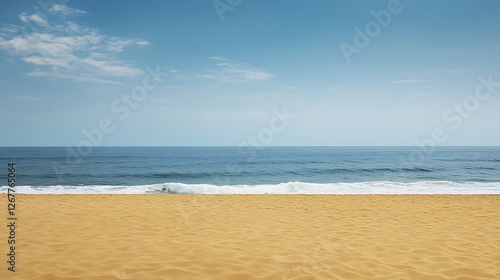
(255, 237)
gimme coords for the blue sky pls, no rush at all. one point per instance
(227, 67)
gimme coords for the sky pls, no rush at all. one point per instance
(241, 72)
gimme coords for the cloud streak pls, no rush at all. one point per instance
(65, 10)
(36, 18)
(66, 50)
(421, 94)
(410, 81)
(227, 71)
(26, 98)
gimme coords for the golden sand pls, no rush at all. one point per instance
(255, 237)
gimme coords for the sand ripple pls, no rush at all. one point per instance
(257, 237)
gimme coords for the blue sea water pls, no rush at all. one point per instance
(311, 170)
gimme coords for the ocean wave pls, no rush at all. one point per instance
(374, 170)
(378, 187)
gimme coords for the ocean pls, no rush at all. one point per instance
(253, 170)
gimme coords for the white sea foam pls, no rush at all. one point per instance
(380, 187)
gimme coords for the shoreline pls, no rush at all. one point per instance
(293, 188)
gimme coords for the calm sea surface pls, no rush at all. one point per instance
(252, 170)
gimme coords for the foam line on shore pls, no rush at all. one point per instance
(377, 187)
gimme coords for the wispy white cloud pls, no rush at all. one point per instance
(434, 72)
(224, 70)
(36, 18)
(412, 81)
(421, 94)
(116, 44)
(110, 68)
(79, 78)
(251, 115)
(162, 100)
(219, 58)
(65, 10)
(455, 71)
(8, 29)
(227, 71)
(67, 50)
(26, 98)
(40, 60)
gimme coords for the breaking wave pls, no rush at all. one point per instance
(377, 187)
